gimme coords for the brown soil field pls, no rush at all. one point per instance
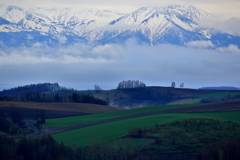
(220, 107)
(55, 110)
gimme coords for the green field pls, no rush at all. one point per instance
(58, 122)
(112, 130)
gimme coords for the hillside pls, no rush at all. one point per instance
(140, 97)
(40, 87)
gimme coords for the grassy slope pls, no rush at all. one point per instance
(217, 95)
(190, 135)
(90, 118)
(112, 130)
(197, 98)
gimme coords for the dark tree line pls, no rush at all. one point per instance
(80, 98)
(47, 148)
(6, 98)
(41, 87)
(51, 98)
(131, 84)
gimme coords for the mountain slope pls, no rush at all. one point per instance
(171, 25)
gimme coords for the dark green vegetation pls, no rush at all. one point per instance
(41, 87)
(189, 136)
(54, 98)
(8, 124)
(47, 92)
(47, 148)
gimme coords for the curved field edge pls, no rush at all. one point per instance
(112, 130)
(59, 122)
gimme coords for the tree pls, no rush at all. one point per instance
(130, 84)
(16, 115)
(56, 98)
(181, 85)
(42, 115)
(97, 88)
(173, 84)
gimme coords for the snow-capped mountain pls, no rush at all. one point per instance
(173, 25)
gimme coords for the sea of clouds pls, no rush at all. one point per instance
(81, 66)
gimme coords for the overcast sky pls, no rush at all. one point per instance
(225, 8)
(81, 66)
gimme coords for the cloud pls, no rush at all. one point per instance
(81, 66)
(230, 49)
(77, 53)
(200, 44)
(230, 26)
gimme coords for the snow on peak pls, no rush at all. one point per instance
(173, 23)
(12, 13)
(196, 14)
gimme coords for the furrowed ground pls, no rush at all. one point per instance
(55, 110)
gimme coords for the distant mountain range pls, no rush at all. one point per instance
(174, 24)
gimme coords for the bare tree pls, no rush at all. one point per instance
(173, 84)
(181, 85)
(97, 88)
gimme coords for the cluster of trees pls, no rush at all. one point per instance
(80, 98)
(6, 98)
(36, 93)
(130, 84)
(40, 87)
(51, 97)
(8, 124)
(48, 148)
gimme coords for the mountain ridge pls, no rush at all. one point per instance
(175, 24)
